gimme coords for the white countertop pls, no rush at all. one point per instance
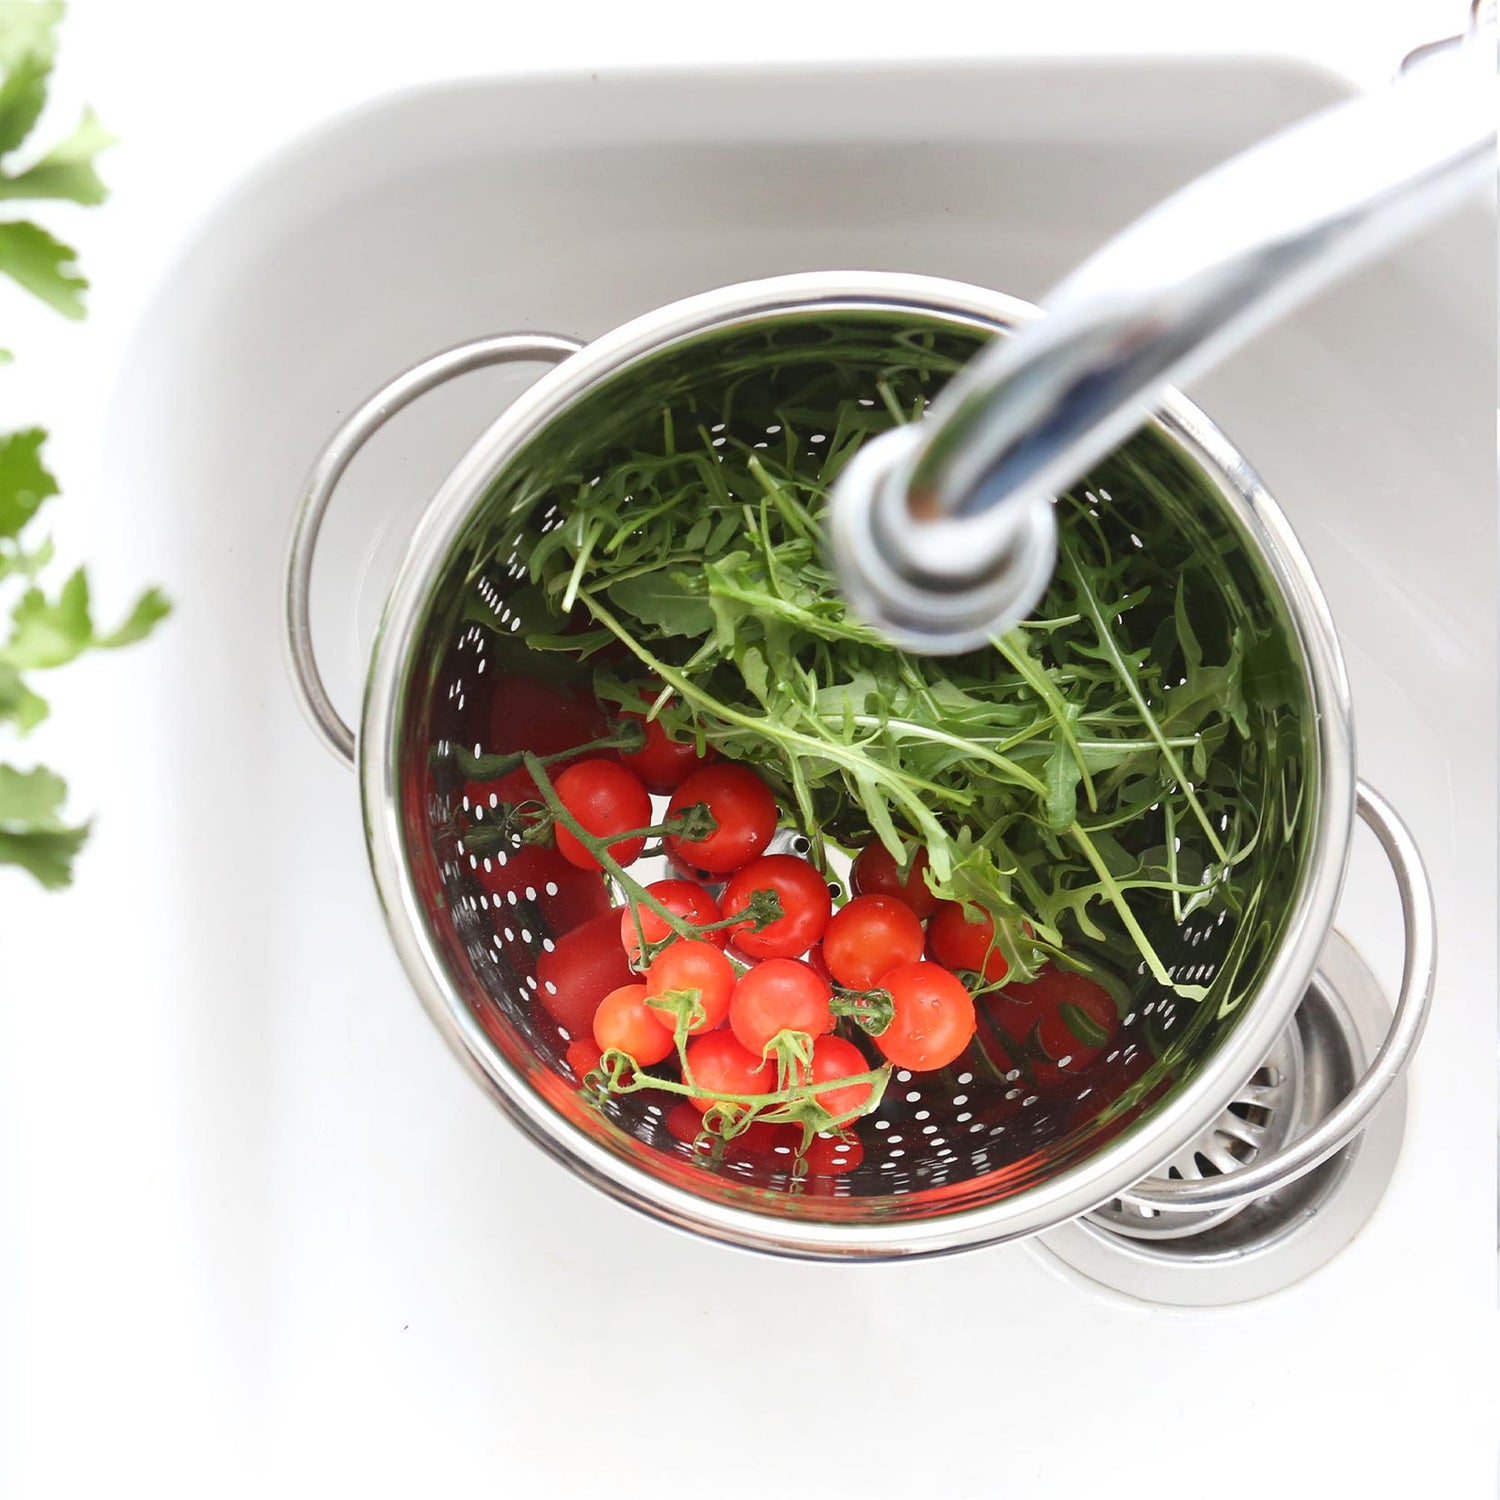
(92, 1158)
(198, 99)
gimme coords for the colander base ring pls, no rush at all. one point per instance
(1276, 1241)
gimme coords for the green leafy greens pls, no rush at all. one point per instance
(1087, 781)
(47, 629)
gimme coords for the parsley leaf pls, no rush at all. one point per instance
(43, 265)
(23, 95)
(32, 831)
(46, 629)
(66, 171)
(29, 254)
(24, 481)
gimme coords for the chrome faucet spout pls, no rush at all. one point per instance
(941, 531)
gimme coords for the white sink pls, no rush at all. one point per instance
(363, 1274)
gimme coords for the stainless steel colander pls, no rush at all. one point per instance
(964, 1157)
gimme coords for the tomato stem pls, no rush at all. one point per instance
(618, 1073)
(763, 908)
(755, 915)
(794, 1103)
(791, 1051)
(696, 821)
(870, 1010)
(685, 1006)
(628, 736)
(599, 848)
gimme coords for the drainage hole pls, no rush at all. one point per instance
(1251, 1114)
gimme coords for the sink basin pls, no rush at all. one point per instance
(371, 1277)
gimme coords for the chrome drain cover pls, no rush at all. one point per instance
(1261, 1119)
(1234, 1255)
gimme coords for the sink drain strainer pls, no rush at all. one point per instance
(1259, 1120)
(1227, 1255)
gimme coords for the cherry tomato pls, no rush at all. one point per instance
(875, 874)
(754, 1143)
(868, 936)
(833, 1058)
(1074, 1018)
(684, 1123)
(680, 897)
(742, 806)
(960, 939)
(685, 869)
(829, 1155)
(459, 704)
(624, 1020)
(692, 964)
(780, 994)
(817, 963)
(759, 1139)
(663, 763)
(582, 1056)
(564, 895)
(1007, 1095)
(721, 1066)
(1012, 1014)
(582, 968)
(507, 713)
(996, 1045)
(606, 798)
(527, 714)
(932, 1017)
(805, 905)
(530, 713)
(761, 1144)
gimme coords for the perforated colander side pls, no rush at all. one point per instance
(980, 1131)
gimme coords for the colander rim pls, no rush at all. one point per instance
(1078, 1189)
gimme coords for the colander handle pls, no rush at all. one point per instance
(335, 458)
(1419, 923)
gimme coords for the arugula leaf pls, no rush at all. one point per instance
(1062, 778)
(1083, 1026)
(1086, 782)
(676, 603)
(753, 670)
